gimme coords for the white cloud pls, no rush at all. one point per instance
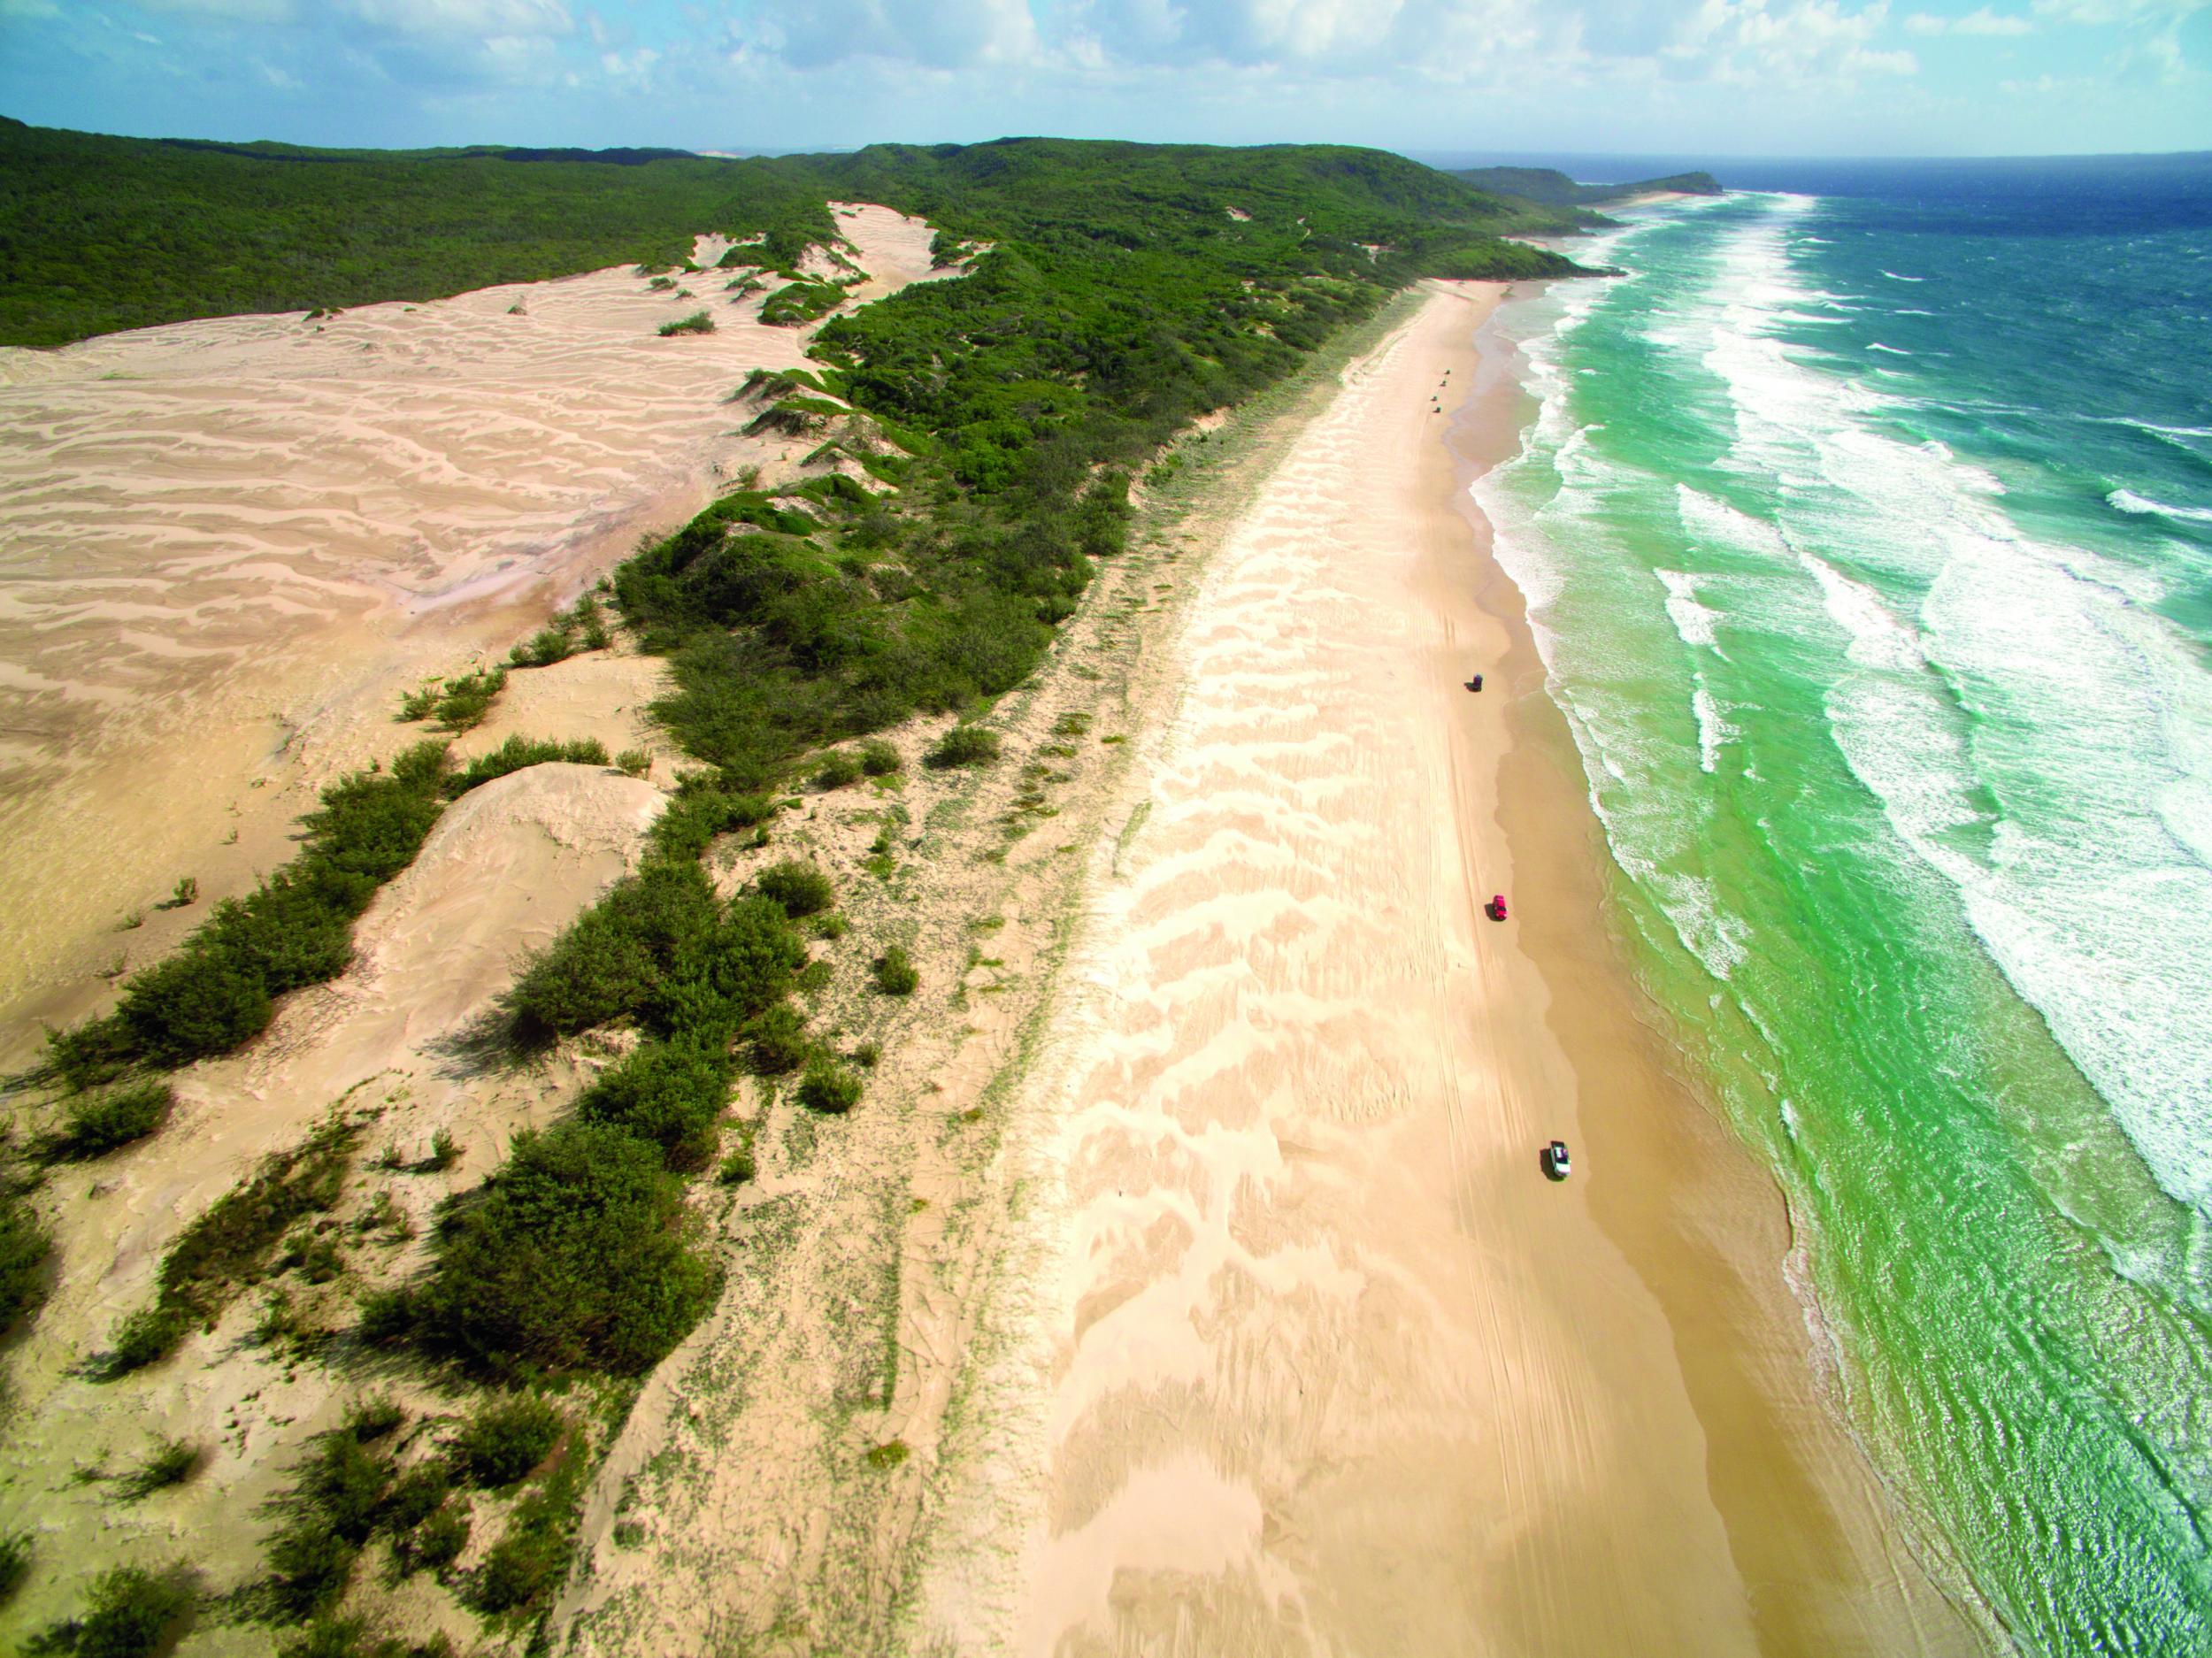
(231, 11)
(1984, 22)
(814, 34)
(488, 20)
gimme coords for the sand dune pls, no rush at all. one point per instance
(225, 545)
(506, 868)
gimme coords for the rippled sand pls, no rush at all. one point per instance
(1319, 1360)
(225, 545)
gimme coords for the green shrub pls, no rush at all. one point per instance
(661, 947)
(777, 1040)
(962, 745)
(799, 887)
(575, 1253)
(25, 1248)
(837, 770)
(295, 929)
(93, 1124)
(15, 1562)
(518, 1568)
(828, 1086)
(172, 1463)
(879, 758)
(670, 1094)
(517, 752)
(894, 971)
(130, 1614)
(508, 1438)
(414, 1497)
(445, 1151)
(371, 1419)
(464, 701)
(146, 1337)
(342, 1482)
(310, 1566)
(634, 761)
(438, 1541)
(542, 650)
(738, 1167)
(698, 322)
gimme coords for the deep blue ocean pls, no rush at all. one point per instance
(1866, 525)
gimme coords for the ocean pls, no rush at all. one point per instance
(1866, 527)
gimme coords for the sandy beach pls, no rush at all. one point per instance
(1319, 1360)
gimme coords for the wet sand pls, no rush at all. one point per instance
(1323, 1361)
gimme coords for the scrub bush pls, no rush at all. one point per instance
(962, 745)
(799, 887)
(508, 1438)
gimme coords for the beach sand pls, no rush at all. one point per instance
(1317, 1359)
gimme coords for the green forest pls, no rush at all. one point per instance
(100, 234)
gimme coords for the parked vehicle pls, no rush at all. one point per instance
(1557, 1163)
(1495, 908)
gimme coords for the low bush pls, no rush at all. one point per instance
(837, 770)
(172, 1463)
(799, 887)
(15, 1562)
(464, 701)
(310, 1566)
(698, 322)
(517, 752)
(737, 1168)
(894, 973)
(777, 1042)
(507, 1438)
(415, 1496)
(25, 1248)
(634, 761)
(671, 1093)
(661, 947)
(518, 1568)
(146, 1337)
(229, 1247)
(828, 1086)
(962, 745)
(575, 1253)
(438, 1541)
(879, 758)
(371, 1419)
(131, 1613)
(93, 1124)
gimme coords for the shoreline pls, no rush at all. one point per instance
(1306, 1349)
(1808, 1522)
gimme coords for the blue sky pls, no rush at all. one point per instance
(1825, 77)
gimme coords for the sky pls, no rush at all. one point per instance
(1709, 77)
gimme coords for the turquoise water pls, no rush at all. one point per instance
(1868, 540)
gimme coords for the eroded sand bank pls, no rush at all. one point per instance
(1319, 1360)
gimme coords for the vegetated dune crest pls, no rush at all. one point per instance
(506, 868)
(229, 543)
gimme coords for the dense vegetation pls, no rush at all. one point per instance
(1554, 188)
(98, 234)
